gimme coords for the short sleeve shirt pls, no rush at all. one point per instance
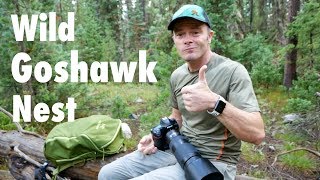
(230, 80)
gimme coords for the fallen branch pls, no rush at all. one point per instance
(277, 174)
(19, 127)
(30, 160)
(27, 158)
(16, 149)
(293, 150)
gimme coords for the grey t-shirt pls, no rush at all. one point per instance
(230, 80)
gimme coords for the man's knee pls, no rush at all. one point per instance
(118, 169)
(114, 170)
(105, 172)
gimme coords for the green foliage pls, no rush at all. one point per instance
(163, 97)
(298, 105)
(221, 14)
(291, 139)
(306, 86)
(258, 173)
(251, 153)
(159, 108)
(111, 30)
(274, 98)
(119, 108)
(257, 57)
(303, 93)
(93, 39)
(299, 160)
(44, 95)
(166, 64)
(306, 28)
(82, 94)
(152, 118)
(130, 144)
(266, 74)
(3, 163)
(6, 123)
(250, 51)
(9, 48)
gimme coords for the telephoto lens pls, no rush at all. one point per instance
(166, 135)
(194, 165)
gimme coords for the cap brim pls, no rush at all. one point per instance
(171, 24)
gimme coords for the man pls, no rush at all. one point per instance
(212, 100)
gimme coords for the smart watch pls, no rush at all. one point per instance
(218, 108)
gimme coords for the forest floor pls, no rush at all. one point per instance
(261, 169)
(147, 104)
(265, 170)
(256, 161)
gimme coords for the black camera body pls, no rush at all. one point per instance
(160, 131)
(166, 135)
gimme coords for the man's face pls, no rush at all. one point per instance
(192, 39)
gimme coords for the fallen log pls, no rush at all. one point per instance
(24, 153)
(5, 175)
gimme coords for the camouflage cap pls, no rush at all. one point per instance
(190, 11)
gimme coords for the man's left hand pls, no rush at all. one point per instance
(198, 97)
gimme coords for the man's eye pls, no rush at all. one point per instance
(195, 32)
(179, 35)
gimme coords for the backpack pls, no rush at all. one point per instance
(87, 138)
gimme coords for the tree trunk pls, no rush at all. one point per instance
(290, 73)
(239, 28)
(251, 5)
(263, 18)
(279, 20)
(311, 61)
(26, 87)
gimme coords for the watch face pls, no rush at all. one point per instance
(218, 109)
(220, 106)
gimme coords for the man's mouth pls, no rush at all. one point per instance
(189, 49)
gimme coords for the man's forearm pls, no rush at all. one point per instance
(244, 125)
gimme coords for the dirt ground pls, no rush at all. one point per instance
(278, 170)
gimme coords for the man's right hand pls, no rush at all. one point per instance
(146, 145)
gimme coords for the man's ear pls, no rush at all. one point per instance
(173, 35)
(210, 36)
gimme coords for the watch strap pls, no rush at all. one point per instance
(219, 107)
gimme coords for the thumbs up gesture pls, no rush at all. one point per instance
(198, 97)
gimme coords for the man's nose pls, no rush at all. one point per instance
(187, 39)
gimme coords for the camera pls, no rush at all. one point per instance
(166, 136)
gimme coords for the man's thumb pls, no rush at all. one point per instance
(202, 74)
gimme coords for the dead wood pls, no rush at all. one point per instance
(5, 175)
(24, 152)
(19, 127)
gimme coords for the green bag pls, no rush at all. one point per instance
(87, 138)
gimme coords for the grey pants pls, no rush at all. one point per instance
(161, 165)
